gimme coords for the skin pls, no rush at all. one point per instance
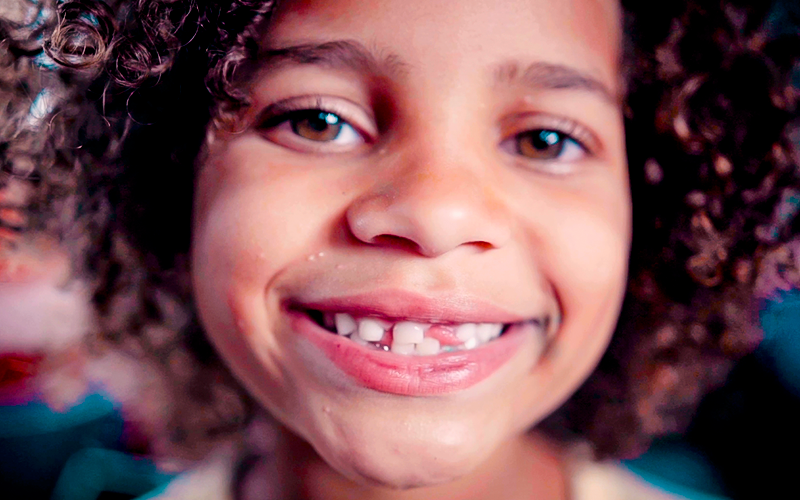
(429, 194)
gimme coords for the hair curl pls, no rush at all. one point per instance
(711, 117)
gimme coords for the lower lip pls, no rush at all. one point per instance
(411, 375)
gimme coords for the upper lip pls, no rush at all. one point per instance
(405, 305)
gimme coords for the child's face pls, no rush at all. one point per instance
(465, 164)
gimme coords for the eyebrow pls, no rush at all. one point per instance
(338, 54)
(549, 76)
(354, 56)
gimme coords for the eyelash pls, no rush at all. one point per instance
(545, 136)
(568, 133)
(573, 142)
(282, 110)
(284, 116)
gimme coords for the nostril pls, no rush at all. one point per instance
(482, 245)
(398, 242)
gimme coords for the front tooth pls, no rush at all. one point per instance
(400, 348)
(370, 330)
(409, 332)
(428, 347)
(345, 324)
(466, 331)
(488, 331)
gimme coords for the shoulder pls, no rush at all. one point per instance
(211, 479)
(611, 481)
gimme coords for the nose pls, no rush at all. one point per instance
(431, 206)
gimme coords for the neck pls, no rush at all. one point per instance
(526, 467)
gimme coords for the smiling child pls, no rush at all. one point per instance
(405, 226)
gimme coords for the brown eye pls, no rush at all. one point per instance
(543, 144)
(312, 130)
(317, 125)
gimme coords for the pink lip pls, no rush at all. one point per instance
(411, 375)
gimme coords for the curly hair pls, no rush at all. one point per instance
(133, 86)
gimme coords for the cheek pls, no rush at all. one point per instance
(254, 219)
(580, 239)
(246, 234)
(592, 268)
(248, 229)
(593, 252)
(590, 275)
(583, 246)
(221, 248)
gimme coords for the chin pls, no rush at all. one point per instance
(404, 463)
(417, 475)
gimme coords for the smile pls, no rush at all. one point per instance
(408, 337)
(415, 355)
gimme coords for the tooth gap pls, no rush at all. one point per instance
(318, 318)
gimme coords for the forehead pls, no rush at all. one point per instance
(446, 36)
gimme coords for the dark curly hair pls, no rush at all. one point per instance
(133, 85)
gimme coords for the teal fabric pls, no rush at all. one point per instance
(780, 349)
(154, 493)
(92, 471)
(69, 455)
(37, 418)
(36, 442)
(678, 469)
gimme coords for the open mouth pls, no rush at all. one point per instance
(414, 338)
(416, 347)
